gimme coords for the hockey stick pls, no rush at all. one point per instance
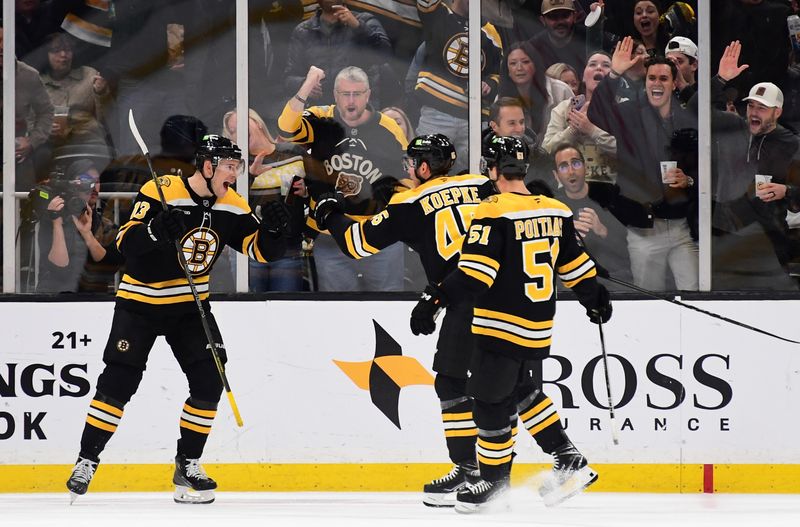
(608, 386)
(604, 274)
(188, 274)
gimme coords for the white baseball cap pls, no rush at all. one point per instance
(682, 45)
(767, 94)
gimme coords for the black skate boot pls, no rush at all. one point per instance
(571, 474)
(442, 492)
(81, 476)
(192, 484)
(478, 496)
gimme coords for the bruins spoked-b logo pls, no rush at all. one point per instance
(386, 374)
(199, 248)
(123, 345)
(456, 55)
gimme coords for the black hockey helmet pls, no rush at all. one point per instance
(435, 149)
(508, 154)
(215, 147)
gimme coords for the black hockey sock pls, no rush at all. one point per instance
(459, 430)
(495, 445)
(539, 417)
(101, 422)
(195, 424)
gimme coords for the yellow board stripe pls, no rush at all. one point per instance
(398, 477)
(100, 424)
(196, 428)
(544, 424)
(113, 410)
(463, 432)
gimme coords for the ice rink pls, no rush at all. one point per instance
(327, 509)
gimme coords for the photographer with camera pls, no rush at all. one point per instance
(76, 243)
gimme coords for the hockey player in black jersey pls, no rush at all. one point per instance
(154, 299)
(516, 244)
(431, 219)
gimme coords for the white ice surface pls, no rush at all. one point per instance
(328, 509)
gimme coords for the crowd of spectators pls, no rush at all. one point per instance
(608, 99)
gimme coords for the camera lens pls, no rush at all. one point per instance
(73, 205)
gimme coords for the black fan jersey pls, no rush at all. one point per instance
(154, 276)
(443, 78)
(431, 219)
(516, 246)
(362, 162)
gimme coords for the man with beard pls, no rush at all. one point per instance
(749, 214)
(561, 42)
(357, 149)
(649, 131)
(77, 245)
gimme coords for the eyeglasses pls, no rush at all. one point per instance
(352, 94)
(575, 164)
(59, 49)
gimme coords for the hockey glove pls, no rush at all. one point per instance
(275, 218)
(423, 316)
(167, 226)
(601, 313)
(327, 204)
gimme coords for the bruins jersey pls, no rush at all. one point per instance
(516, 246)
(154, 277)
(431, 219)
(362, 162)
(443, 78)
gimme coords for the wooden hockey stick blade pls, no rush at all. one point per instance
(136, 134)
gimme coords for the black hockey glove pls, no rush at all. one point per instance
(327, 204)
(601, 313)
(167, 226)
(275, 218)
(423, 316)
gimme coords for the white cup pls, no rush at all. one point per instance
(762, 179)
(666, 166)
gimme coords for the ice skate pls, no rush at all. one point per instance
(192, 484)
(81, 476)
(571, 474)
(481, 495)
(441, 492)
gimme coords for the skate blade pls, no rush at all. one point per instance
(581, 479)
(438, 499)
(501, 503)
(189, 495)
(72, 497)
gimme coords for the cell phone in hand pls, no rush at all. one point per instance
(578, 101)
(290, 193)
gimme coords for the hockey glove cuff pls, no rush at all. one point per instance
(423, 316)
